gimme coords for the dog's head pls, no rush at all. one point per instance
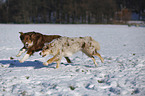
(26, 39)
(46, 50)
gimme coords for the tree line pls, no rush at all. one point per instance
(66, 11)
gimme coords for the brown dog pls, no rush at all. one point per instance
(33, 42)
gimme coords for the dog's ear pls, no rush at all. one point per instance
(21, 33)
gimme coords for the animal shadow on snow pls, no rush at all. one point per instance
(36, 64)
(79, 64)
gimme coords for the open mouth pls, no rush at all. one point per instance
(26, 45)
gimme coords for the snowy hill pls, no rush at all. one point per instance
(121, 74)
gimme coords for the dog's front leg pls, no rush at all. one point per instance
(58, 62)
(24, 58)
(97, 54)
(55, 58)
(28, 54)
(50, 61)
(89, 55)
(94, 61)
(20, 52)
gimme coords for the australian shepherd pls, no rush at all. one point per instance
(33, 42)
(65, 47)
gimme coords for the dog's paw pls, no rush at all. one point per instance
(96, 64)
(102, 60)
(45, 63)
(21, 61)
(11, 58)
(18, 55)
(57, 66)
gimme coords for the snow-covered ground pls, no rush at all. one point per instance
(122, 73)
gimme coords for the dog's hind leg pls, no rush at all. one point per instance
(89, 55)
(68, 60)
(97, 54)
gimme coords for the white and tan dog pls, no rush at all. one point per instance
(65, 46)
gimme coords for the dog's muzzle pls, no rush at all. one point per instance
(26, 45)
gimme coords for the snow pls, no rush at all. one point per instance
(122, 73)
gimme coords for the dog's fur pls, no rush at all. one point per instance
(65, 46)
(33, 42)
